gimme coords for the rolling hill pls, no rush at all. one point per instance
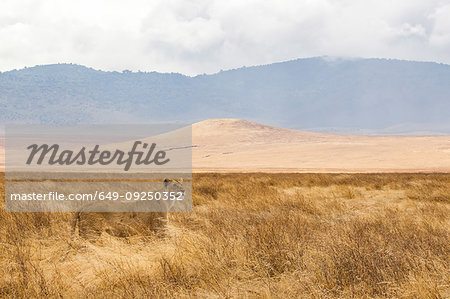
(233, 145)
(238, 145)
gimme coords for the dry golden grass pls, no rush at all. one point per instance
(252, 235)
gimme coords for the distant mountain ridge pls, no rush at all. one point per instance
(367, 95)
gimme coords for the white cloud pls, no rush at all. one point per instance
(199, 36)
(440, 36)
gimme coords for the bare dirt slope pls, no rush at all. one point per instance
(232, 145)
(239, 145)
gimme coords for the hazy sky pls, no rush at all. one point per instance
(200, 36)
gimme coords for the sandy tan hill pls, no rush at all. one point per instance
(244, 146)
(238, 145)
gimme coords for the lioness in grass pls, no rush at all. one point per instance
(123, 224)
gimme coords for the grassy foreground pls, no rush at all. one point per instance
(251, 235)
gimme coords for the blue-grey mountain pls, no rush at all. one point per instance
(321, 93)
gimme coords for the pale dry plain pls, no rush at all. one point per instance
(232, 145)
(239, 145)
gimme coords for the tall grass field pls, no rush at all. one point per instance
(251, 236)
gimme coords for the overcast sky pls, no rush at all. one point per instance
(200, 36)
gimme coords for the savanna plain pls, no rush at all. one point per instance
(251, 235)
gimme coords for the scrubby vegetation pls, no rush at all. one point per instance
(252, 235)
